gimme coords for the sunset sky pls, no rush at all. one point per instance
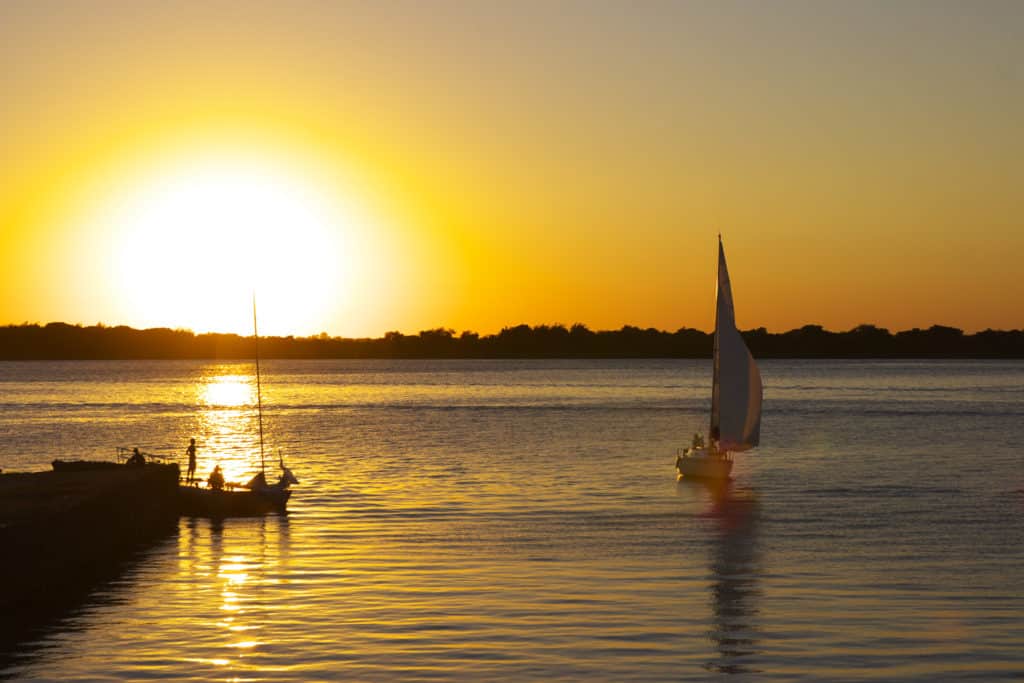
(368, 167)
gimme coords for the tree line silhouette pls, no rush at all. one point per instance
(60, 341)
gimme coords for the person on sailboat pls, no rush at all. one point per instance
(287, 478)
(191, 452)
(216, 479)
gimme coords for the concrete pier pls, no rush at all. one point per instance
(62, 533)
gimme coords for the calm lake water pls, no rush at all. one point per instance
(507, 520)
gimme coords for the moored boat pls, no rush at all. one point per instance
(194, 501)
(84, 465)
(257, 497)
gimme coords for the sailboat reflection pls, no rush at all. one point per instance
(734, 589)
(231, 563)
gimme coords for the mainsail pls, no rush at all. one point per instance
(736, 390)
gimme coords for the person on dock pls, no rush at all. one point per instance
(137, 459)
(191, 451)
(216, 479)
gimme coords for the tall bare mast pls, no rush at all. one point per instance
(259, 393)
(713, 427)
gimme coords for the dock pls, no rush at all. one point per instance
(64, 533)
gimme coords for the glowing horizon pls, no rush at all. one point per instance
(369, 168)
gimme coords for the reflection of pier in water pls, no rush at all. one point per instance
(734, 589)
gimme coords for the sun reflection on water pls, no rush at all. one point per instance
(229, 390)
(228, 423)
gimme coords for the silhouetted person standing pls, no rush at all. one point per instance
(191, 451)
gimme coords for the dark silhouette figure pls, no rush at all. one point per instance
(216, 479)
(137, 460)
(191, 451)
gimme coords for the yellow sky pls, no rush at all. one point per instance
(475, 165)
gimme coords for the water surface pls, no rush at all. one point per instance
(521, 520)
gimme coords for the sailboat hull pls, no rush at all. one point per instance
(200, 502)
(699, 464)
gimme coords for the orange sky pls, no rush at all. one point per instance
(369, 167)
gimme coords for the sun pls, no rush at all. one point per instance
(192, 240)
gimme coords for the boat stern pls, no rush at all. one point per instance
(699, 464)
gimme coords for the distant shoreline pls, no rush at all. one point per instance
(60, 341)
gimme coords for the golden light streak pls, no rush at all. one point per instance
(228, 427)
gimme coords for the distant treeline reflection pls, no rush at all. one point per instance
(58, 341)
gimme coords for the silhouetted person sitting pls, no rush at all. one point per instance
(216, 479)
(136, 460)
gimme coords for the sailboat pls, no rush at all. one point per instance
(256, 497)
(735, 394)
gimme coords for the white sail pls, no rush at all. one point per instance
(736, 392)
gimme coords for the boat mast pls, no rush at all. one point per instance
(259, 394)
(713, 426)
